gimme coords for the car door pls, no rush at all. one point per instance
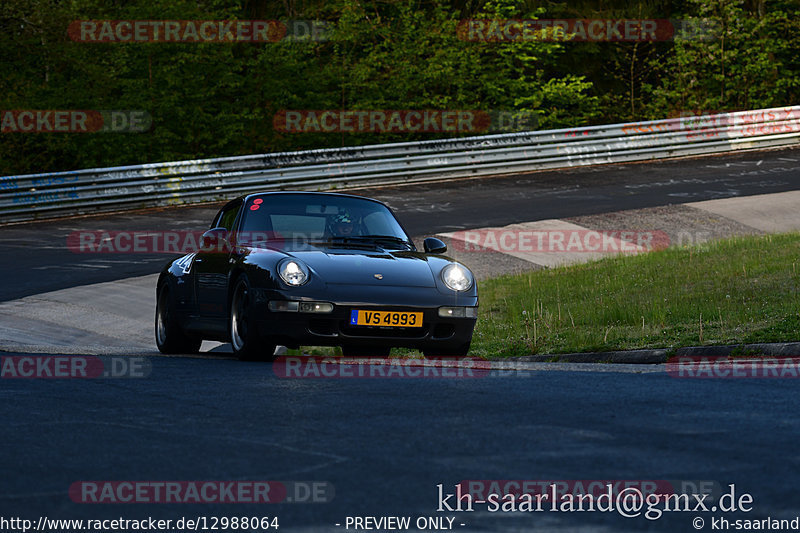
(211, 269)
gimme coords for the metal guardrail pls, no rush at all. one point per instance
(35, 196)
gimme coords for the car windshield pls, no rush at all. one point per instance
(301, 218)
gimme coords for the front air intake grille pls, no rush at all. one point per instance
(367, 331)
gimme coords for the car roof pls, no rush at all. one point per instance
(246, 197)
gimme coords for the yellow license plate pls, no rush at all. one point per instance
(395, 319)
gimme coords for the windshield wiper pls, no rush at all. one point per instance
(341, 241)
(366, 240)
(388, 238)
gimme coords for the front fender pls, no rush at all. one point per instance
(437, 264)
(261, 267)
(177, 275)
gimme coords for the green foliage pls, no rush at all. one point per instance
(212, 100)
(739, 290)
(742, 60)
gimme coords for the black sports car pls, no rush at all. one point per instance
(314, 269)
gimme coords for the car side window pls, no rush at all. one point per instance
(227, 217)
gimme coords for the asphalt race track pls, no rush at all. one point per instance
(385, 444)
(381, 445)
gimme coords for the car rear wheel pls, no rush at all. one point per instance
(170, 338)
(247, 344)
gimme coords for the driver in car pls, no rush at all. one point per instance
(343, 225)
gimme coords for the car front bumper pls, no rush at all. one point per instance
(296, 328)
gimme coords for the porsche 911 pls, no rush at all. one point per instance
(314, 269)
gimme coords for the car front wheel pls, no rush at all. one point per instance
(170, 338)
(247, 344)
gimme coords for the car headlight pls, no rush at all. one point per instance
(293, 272)
(456, 277)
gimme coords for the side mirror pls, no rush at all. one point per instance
(214, 240)
(433, 245)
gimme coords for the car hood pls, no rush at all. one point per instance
(379, 268)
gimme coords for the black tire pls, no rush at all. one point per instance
(170, 338)
(247, 344)
(460, 351)
(366, 351)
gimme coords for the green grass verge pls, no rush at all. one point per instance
(738, 290)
